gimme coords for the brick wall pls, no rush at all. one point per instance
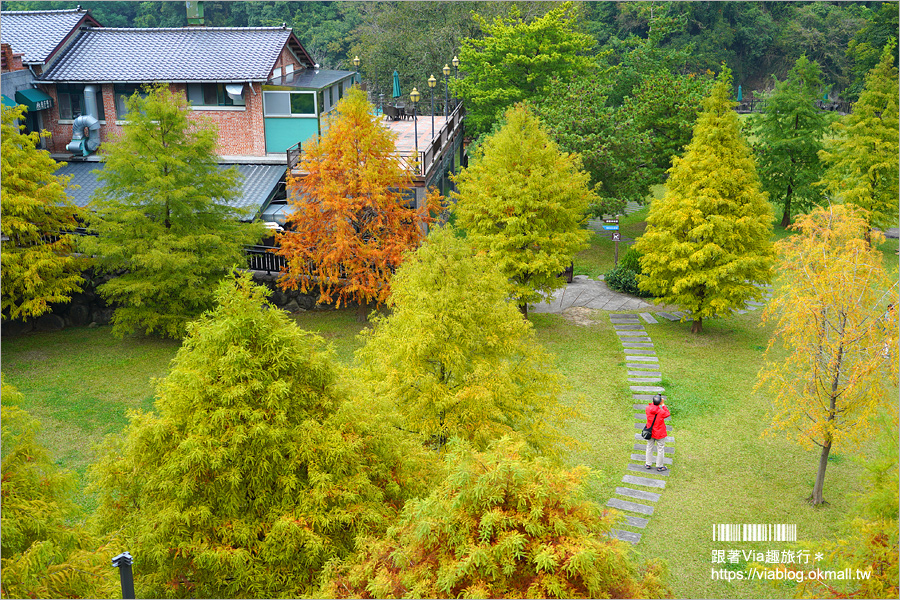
(241, 132)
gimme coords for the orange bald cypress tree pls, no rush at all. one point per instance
(352, 218)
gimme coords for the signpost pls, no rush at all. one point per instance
(613, 226)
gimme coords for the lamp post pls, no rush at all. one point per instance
(356, 66)
(446, 71)
(431, 83)
(455, 63)
(414, 97)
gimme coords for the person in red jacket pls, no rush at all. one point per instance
(656, 409)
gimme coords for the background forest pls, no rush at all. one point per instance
(756, 39)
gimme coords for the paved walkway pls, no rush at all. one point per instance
(585, 292)
(643, 488)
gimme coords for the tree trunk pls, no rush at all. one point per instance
(697, 325)
(523, 308)
(786, 217)
(362, 311)
(817, 498)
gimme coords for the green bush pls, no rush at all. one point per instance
(623, 278)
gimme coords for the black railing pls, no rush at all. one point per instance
(263, 258)
(293, 156)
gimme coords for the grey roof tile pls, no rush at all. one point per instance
(182, 54)
(37, 33)
(258, 183)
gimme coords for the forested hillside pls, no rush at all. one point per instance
(756, 39)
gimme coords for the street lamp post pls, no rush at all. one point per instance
(455, 63)
(446, 71)
(414, 97)
(431, 83)
(356, 66)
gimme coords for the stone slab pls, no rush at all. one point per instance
(625, 321)
(647, 388)
(638, 494)
(634, 507)
(741, 311)
(754, 303)
(643, 448)
(653, 471)
(645, 379)
(641, 425)
(641, 358)
(680, 314)
(642, 457)
(666, 315)
(628, 327)
(637, 521)
(639, 332)
(648, 318)
(639, 351)
(644, 481)
(625, 536)
(669, 439)
(643, 369)
(629, 344)
(647, 397)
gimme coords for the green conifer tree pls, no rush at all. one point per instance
(862, 160)
(499, 526)
(789, 134)
(455, 358)
(38, 266)
(252, 473)
(707, 240)
(522, 201)
(164, 223)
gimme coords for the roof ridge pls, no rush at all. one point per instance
(161, 29)
(37, 12)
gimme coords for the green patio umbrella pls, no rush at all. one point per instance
(396, 93)
(740, 94)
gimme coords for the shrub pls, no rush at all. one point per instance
(623, 278)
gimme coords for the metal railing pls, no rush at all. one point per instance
(293, 156)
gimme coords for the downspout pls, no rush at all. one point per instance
(89, 121)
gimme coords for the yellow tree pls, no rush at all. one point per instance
(836, 314)
(351, 221)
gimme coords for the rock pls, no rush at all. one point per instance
(278, 298)
(17, 327)
(306, 301)
(292, 307)
(79, 315)
(49, 322)
(102, 316)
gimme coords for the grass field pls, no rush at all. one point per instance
(82, 382)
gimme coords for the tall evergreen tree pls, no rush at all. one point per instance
(522, 201)
(162, 216)
(707, 240)
(251, 474)
(38, 266)
(455, 358)
(862, 159)
(789, 134)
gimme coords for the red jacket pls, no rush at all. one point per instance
(659, 430)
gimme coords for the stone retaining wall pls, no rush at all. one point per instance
(89, 309)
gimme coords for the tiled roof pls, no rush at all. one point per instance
(37, 33)
(182, 54)
(257, 183)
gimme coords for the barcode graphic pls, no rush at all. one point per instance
(754, 532)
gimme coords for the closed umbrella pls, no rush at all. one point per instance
(396, 93)
(740, 94)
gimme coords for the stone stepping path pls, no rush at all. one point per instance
(748, 306)
(642, 368)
